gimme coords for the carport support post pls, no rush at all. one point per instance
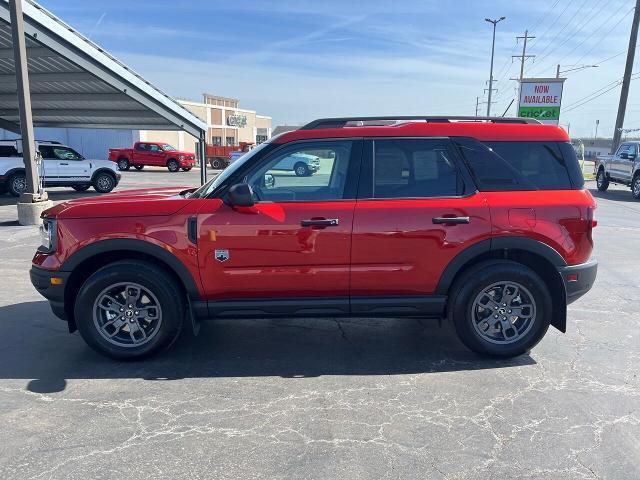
(31, 202)
(202, 151)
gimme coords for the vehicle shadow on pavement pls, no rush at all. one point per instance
(56, 196)
(614, 195)
(35, 345)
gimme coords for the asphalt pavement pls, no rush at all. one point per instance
(324, 398)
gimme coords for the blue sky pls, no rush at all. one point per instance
(298, 60)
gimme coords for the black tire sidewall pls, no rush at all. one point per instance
(150, 277)
(124, 161)
(138, 167)
(172, 168)
(10, 184)
(474, 281)
(605, 183)
(306, 169)
(96, 184)
(635, 179)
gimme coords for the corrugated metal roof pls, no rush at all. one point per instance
(74, 82)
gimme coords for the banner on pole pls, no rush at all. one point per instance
(540, 98)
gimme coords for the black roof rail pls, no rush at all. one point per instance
(340, 122)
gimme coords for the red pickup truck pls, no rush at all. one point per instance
(154, 154)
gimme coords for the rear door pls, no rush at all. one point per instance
(291, 251)
(416, 211)
(72, 167)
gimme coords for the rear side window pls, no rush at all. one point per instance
(505, 166)
(540, 163)
(8, 151)
(414, 168)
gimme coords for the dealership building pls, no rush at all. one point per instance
(227, 124)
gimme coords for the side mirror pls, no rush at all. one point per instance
(631, 156)
(269, 181)
(624, 155)
(240, 195)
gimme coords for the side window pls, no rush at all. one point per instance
(63, 153)
(303, 172)
(632, 150)
(8, 151)
(154, 148)
(47, 152)
(540, 163)
(406, 168)
(622, 149)
(141, 147)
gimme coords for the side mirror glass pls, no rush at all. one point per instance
(624, 155)
(240, 195)
(269, 181)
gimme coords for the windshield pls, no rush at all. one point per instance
(214, 183)
(168, 148)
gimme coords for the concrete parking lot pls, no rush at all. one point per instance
(325, 398)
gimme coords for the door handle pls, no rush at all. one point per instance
(64, 164)
(450, 220)
(320, 222)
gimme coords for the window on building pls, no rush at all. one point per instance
(261, 139)
(231, 141)
(217, 141)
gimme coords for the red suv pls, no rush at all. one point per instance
(485, 222)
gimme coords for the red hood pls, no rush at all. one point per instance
(125, 203)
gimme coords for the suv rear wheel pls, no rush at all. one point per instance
(104, 182)
(129, 310)
(500, 308)
(17, 184)
(173, 165)
(602, 181)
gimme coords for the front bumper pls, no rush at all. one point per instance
(41, 280)
(578, 279)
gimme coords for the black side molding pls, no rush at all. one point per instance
(192, 230)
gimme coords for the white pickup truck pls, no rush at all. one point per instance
(623, 167)
(61, 166)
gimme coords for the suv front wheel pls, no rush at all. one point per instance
(500, 308)
(129, 310)
(104, 182)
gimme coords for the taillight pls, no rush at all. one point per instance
(592, 222)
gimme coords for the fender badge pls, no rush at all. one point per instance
(221, 255)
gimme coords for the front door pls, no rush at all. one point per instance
(415, 213)
(290, 253)
(155, 156)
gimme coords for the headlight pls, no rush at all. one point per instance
(48, 235)
(181, 157)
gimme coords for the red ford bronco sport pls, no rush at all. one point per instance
(485, 222)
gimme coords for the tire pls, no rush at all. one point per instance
(81, 188)
(217, 164)
(484, 334)
(635, 187)
(602, 182)
(123, 164)
(186, 169)
(156, 297)
(173, 165)
(17, 184)
(301, 169)
(138, 167)
(104, 182)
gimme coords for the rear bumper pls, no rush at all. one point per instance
(578, 279)
(41, 280)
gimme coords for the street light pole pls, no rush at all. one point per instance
(493, 46)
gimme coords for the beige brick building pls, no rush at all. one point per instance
(228, 124)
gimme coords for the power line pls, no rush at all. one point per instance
(624, 17)
(603, 90)
(553, 23)
(543, 53)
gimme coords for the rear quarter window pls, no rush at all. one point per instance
(504, 166)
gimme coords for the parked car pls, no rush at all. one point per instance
(302, 164)
(484, 223)
(220, 157)
(61, 166)
(152, 154)
(623, 167)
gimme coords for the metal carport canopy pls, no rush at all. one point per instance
(75, 83)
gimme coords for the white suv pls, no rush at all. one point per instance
(61, 167)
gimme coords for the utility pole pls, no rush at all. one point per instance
(477, 103)
(624, 93)
(493, 46)
(596, 134)
(524, 55)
